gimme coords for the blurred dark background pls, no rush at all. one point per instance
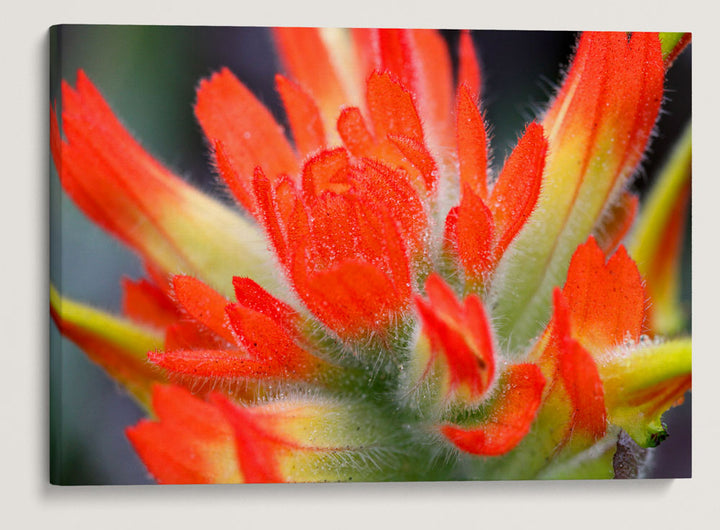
(149, 74)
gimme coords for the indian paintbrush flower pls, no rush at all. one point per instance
(427, 320)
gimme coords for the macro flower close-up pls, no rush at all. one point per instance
(373, 289)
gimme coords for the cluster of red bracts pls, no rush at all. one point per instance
(255, 338)
(353, 230)
(353, 227)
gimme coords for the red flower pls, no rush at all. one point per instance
(406, 321)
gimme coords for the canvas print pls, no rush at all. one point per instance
(335, 255)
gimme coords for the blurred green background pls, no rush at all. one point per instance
(148, 74)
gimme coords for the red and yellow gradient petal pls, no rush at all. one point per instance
(600, 308)
(597, 127)
(643, 382)
(672, 45)
(291, 440)
(119, 346)
(594, 345)
(575, 396)
(175, 228)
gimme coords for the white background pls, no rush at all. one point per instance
(26, 498)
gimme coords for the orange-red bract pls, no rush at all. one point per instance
(510, 421)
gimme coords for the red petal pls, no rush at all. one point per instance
(392, 109)
(306, 59)
(647, 76)
(419, 59)
(271, 345)
(249, 294)
(352, 298)
(296, 218)
(398, 151)
(111, 177)
(475, 235)
(229, 113)
(203, 304)
(147, 303)
(191, 443)
(361, 214)
(510, 421)
(338, 229)
(287, 203)
(266, 202)
(516, 191)
(577, 370)
(450, 237)
(471, 140)
(468, 69)
(393, 196)
(434, 84)
(479, 327)
(395, 56)
(442, 297)
(304, 116)
(189, 335)
(370, 212)
(420, 157)
(255, 450)
(461, 334)
(234, 180)
(582, 382)
(213, 363)
(606, 300)
(354, 132)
